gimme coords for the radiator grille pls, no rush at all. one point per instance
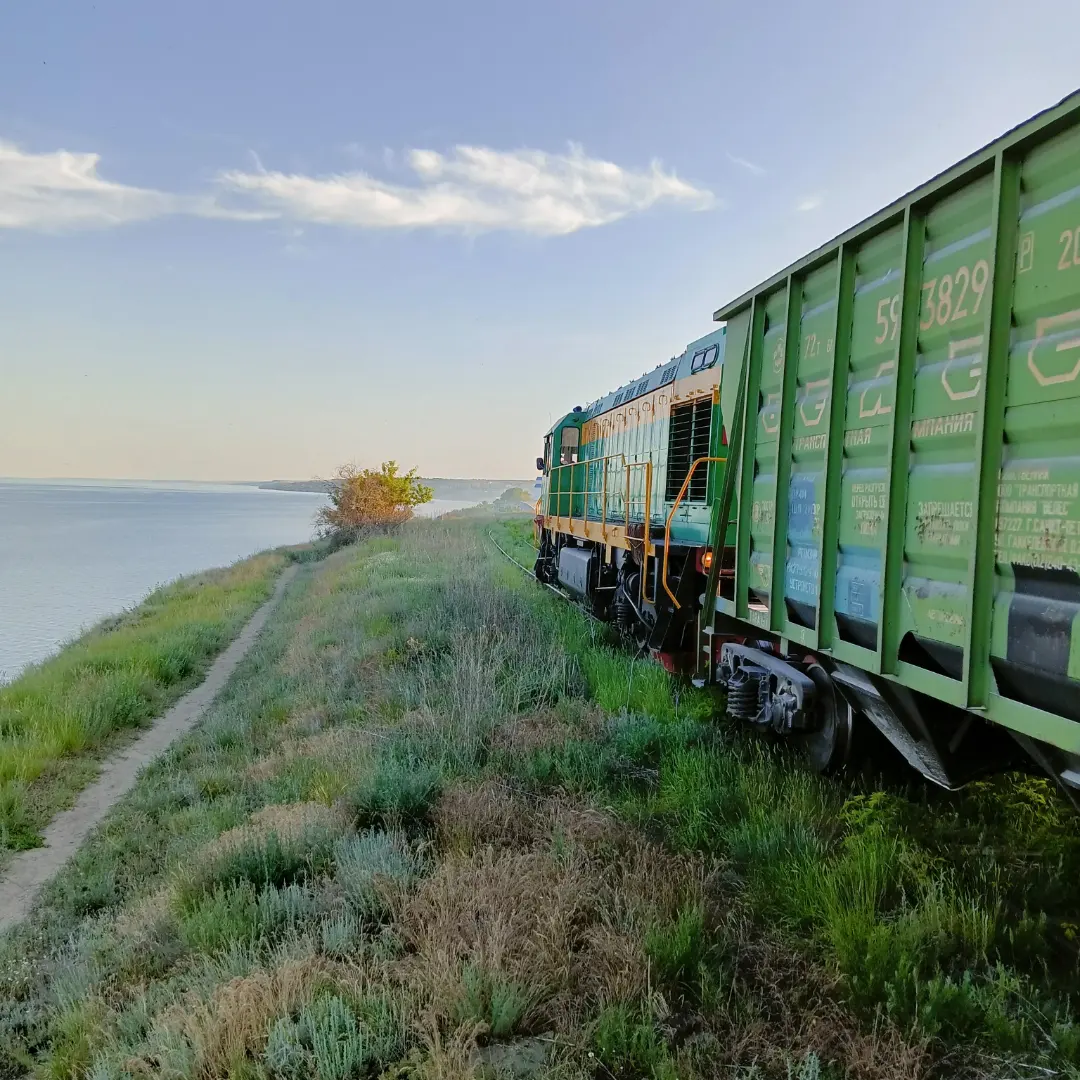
(688, 440)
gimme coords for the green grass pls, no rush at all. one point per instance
(60, 716)
(437, 808)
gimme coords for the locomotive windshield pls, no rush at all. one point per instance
(569, 454)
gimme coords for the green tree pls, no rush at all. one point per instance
(363, 499)
(512, 498)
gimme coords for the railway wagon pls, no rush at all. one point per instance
(859, 501)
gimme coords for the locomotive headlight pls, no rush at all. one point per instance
(706, 559)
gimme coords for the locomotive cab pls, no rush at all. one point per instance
(562, 444)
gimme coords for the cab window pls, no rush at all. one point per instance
(569, 452)
(704, 359)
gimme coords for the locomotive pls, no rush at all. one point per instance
(856, 504)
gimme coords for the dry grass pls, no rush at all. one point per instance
(447, 1057)
(140, 919)
(232, 1025)
(307, 722)
(493, 813)
(570, 926)
(547, 729)
(328, 747)
(515, 916)
(288, 821)
(565, 924)
(780, 1005)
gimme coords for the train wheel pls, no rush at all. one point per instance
(828, 749)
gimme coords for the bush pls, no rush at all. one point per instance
(341, 935)
(397, 791)
(370, 498)
(493, 1000)
(336, 1039)
(363, 860)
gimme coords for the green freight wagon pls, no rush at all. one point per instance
(888, 521)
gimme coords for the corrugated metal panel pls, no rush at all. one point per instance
(930, 399)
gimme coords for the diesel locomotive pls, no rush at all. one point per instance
(857, 501)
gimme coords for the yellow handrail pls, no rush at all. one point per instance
(602, 491)
(587, 464)
(667, 525)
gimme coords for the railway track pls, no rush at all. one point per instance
(547, 585)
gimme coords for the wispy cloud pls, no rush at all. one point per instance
(60, 190)
(474, 189)
(63, 190)
(749, 166)
(807, 203)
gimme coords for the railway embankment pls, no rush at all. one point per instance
(437, 825)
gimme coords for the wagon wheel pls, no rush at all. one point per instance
(828, 748)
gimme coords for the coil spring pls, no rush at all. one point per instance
(743, 697)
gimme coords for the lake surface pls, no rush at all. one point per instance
(73, 552)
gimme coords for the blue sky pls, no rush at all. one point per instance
(243, 240)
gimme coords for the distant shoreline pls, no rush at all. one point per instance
(479, 490)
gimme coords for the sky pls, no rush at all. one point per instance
(246, 240)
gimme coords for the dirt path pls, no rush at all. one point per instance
(30, 870)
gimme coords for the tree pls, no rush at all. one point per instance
(371, 498)
(512, 498)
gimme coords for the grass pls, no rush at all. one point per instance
(438, 814)
(60, 716)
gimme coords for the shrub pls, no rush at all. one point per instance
(286, 1053)
(341, 935)
(286, 908)
(365, 860)
(370, 498)
(397, 791)
(493, 1000)
(336, 1039)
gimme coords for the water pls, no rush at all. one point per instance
(73, 552)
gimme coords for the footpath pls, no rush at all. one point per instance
(29, 871)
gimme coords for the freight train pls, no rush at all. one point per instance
(857, 501)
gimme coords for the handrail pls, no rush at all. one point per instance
(667, 525)
(587, 464)
(647, 533)
(602, 491)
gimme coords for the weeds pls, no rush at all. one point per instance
(369, 863)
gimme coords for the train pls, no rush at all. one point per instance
(855, 504)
